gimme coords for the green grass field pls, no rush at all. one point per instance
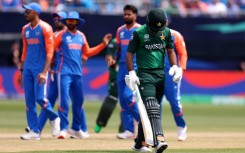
(211, 129)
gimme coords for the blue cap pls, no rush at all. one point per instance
(61, 14)
(34, 7)
(74, 15)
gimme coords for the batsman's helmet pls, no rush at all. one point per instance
(156, 20)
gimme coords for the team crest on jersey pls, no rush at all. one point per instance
(68, 38)
(146, 37)
(37, 33)
(121, 34)
(27, 33)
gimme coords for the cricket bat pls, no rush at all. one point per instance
(144, 119)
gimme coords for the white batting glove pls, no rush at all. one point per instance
(131, 79)
(176, 72)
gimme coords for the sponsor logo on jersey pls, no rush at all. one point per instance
(146, 37)
(154, 46)
(125, 42)
(75, 46)
(37, 33)
(33, 41)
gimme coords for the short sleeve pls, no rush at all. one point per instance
(170, 42)
(134, 43)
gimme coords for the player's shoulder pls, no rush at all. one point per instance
(175, 33)
(59, 33)
(166, 31)
(45, 26)
(81, 33)
(25, 26)
(113, 40)
(112, 43)
(141, 29)
(121, 27)
(137, 25)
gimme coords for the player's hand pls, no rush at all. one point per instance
(20, 79)
(41, 78)
(176, 72)
(107, 38)
(111, 62)
(131, 79)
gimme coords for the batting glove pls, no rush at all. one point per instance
(131, 79)
(176, 72)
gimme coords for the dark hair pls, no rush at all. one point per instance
(130, 7)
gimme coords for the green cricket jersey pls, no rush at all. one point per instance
(150, 49)
(111, 48)
(112, 82)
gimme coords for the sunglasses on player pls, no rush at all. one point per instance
(27, 12)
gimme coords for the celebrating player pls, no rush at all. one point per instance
(73, 45)
(35, 62)
(150, 42)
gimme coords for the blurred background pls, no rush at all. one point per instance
(214, 32)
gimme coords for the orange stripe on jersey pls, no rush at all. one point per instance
(24, 49)
(179, 44)
(48, 38)
(84, 57)
(118, 41)
(58, 39)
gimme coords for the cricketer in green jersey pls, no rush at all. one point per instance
(111, 99)
(149, 43)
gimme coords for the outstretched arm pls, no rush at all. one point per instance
(95, 50)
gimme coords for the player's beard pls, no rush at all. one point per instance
(29, 19)
(71, 27)
(59, 27)
(128, 22)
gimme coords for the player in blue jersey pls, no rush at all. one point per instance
(52, 88)
(35, 61)
(73, 45)
(172, 89)
(126, 97)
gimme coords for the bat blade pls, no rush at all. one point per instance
(144, 119)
